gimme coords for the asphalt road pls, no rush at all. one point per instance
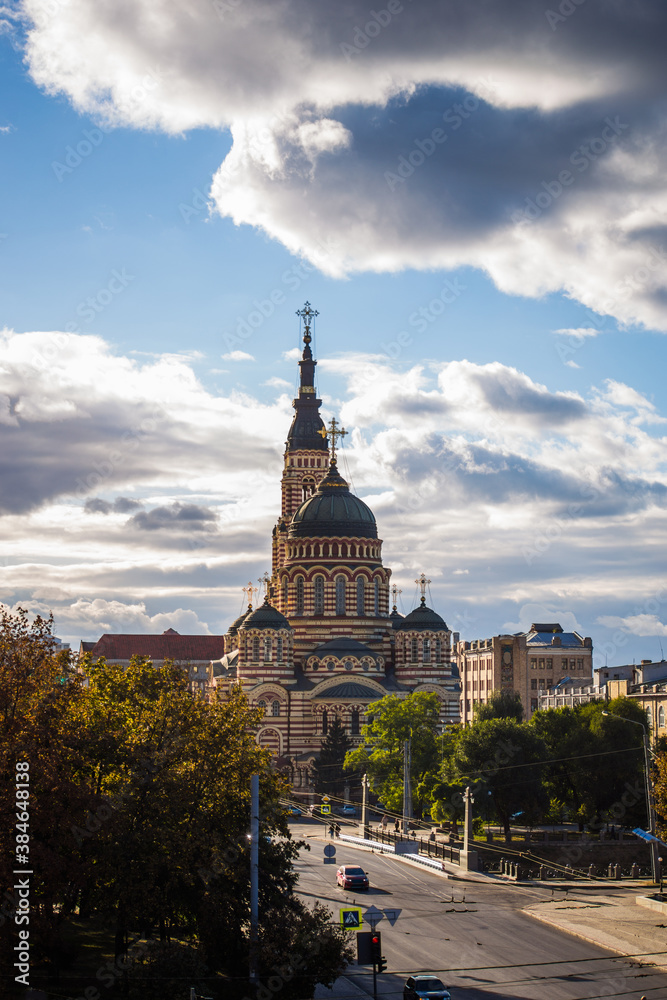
(472, 935)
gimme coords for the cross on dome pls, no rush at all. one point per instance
(422, 583)
(307, 315)
(249, 591)
(334, 431)
(395, 591)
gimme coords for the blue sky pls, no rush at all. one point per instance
(205, 185)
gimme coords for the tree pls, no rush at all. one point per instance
(502, 704)
(327, 773)
(505, 758)
(391, 721)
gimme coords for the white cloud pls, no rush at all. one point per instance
(579, 332)
(430, 142)
(237, 356)
(278, 383)
(642, 624)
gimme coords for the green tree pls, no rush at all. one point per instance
(505, 758)
(391, 721)
(327, 772)
(502, 704)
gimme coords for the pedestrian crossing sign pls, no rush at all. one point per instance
(325, 810)
(351, 918)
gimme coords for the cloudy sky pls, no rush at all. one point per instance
(472, 195)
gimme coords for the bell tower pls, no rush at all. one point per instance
(307, 447)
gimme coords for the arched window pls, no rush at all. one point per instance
(361, 596)
(376, 597)
(661, 717)
(414, 651)
(426, 647)
(299, 595)
(285, 595)
(267, 647)
(318, 608)
(438, 650)
(261, 704)
(354, 722)
(275, 708)
(255, 648)
(279, 649)
(307, 487)
(340, 595)
(349, 665)
(325, 723)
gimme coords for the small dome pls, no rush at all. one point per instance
(396, 618)
(333, 510)
(266, 616)
(422, 619)
(236, 624)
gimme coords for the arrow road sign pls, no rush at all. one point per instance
(392, 916)
(373, 916)
(351, 918)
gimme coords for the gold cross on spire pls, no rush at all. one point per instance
(307, 315)
(422, 583)
(249, 591)
(334, 430)
(264, 582)
(394, 593)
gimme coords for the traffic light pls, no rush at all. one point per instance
(379, 960)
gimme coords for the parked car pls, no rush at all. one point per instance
(352, 877)
(347, 811)
(425, 986)
(294, 811)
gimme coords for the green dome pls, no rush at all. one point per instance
(333, 510)
(265, 616)
(422, 619)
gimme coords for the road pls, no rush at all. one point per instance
(473, 935)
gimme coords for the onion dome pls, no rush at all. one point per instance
(333, 510)
(422, 619)
(236, 624)
(265, 616)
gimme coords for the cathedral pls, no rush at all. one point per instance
(324, 643)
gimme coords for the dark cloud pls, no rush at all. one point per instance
(121, 505)
(174, 517)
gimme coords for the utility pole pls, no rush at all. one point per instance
(254, 877)
(364, 803)
(650, 805)
(407, 789)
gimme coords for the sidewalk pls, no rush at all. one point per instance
(611, 918)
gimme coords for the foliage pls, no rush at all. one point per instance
(392, 721)
(505, 758)
(502, 704)
(327, 772)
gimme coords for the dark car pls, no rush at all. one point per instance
(352, 877)
(425, 986)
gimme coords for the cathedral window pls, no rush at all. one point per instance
(361, 596)
(414, 656)
(340, 595)
(255, 648)
(376, 598)
(354, 722)
(325, 723)
(438, 650)
(261, 704)
(319, 595)
(279, 649)
(661, 717)
(275, 708)
(285, 595)
(426, 650)
(299, 595)
(267, 647)
(349, 665)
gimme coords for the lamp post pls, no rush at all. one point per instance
(649, 792)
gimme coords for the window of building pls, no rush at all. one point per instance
(279, 649)
(275, 708)
(438, 650)
(255, 649)
(573, 664)
(550, 682)
(580, 664)
(361, 596)
(354, 722)
(325, 723)
(533, 663)
(533, 683)
(563, 663)
(349, 665)
(550, 663)
(285, 595)
(426, 649)
(376, 598)
(318, 595)
(533, 704)
(540, 663)
(261, 704)
(299, 595)
(414, 651)
(661, 717)
(340, 595)
(267, 647)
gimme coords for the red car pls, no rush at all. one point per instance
(352, 877)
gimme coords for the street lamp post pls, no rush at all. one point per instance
(649, 793)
